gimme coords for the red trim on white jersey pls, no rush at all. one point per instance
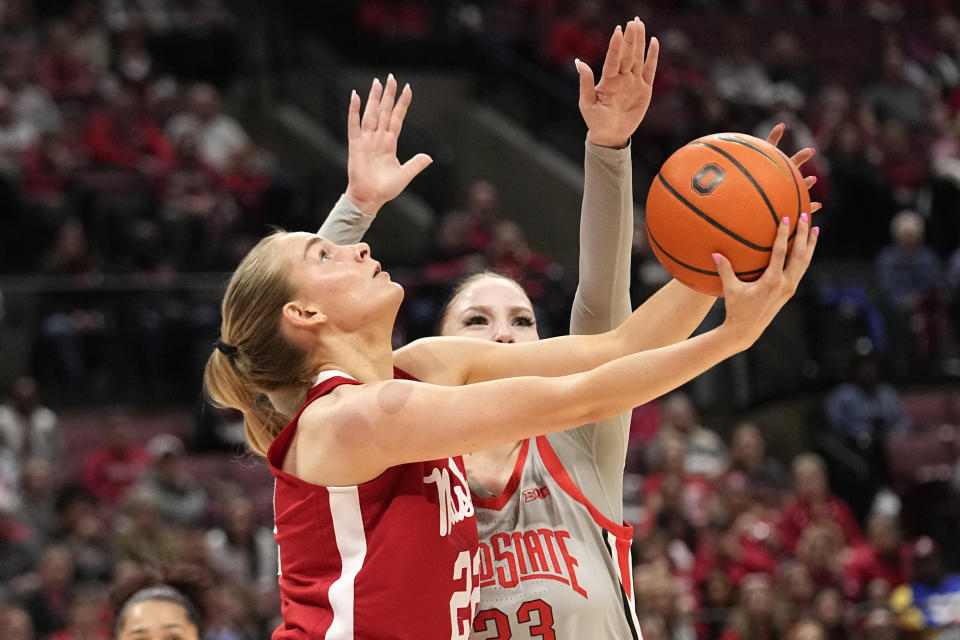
(496, 503)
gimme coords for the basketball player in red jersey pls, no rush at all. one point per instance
(554, 550)
(376, 526)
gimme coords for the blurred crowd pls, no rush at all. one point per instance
(75, 524)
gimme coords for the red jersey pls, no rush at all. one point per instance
(394, 557)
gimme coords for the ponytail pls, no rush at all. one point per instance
(252, 356)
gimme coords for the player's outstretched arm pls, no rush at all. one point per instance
(455, 361)
(357, 432)
(374, 173)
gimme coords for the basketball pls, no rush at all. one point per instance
(723, 193)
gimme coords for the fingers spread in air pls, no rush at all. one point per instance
(815, 206)
(776, 133)
(650, 64)
(629, 47)
(587, 88)
(353, 116)
(400, 110)
(386, 103)
(802, 156)
(611, 64)
(369, 121)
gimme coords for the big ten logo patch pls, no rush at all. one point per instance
(537, 493)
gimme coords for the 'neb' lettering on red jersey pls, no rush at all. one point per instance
(455, 504)
(511, 558)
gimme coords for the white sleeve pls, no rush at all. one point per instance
(345, 224)
(594, 454)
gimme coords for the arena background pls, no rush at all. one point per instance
(145, 145)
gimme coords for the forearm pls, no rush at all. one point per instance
(602, 299)
(346, 223)
(669, 315)
(475, 417)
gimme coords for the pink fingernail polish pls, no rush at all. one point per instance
(785, 220)
(816, 230)
(716, 258)
(804, 217)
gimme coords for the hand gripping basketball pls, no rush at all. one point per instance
(751, 306)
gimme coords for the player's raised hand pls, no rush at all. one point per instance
(375, 175)
(751, 306)
(797, 159)
(616, 105)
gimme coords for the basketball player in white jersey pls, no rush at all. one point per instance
(555, 551)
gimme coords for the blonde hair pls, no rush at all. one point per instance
(260, 358)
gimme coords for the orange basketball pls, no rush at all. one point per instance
(723, 193)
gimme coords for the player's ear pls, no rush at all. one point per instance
(302, 315)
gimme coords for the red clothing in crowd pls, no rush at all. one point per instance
(141, 140)
(797, 515)
(108, 472)
(864, 563)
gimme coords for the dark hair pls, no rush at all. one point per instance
(184, 585)
(460, 285)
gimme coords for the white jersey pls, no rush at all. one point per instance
(552, 565)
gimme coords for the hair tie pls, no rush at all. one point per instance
(226, 349)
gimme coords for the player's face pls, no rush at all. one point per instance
(157, 620)
(492, 309)
(342, 280)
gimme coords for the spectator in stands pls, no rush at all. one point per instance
(197, 212)
(930, 601)
(85, 618)
(27, 427)
(90, 41)
(861, 413)
(706, 454)
(31, 102)
(82, 530)
(820, 550)
(15, 623)
(242, 549)
(795, 587)
(47, 171)
(758, 615)
(813, 503)
(125, 136)
(786, 62)
(18, 548)
(115, 466)
(898, 93)
(911, 281)
(62, 71)
(220, 135)
(879, 624)
(806, 630)
(16, 135)
(717, 599)
(18, 25)
(181, 499)
(39, 485)
(132, 62)
(830, 611)
(765, 476)
(46, 594)
(142, 535)
(738, 76)
(884, 557)
(578, 34)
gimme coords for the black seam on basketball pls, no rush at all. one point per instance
(743, 169)
(739, 141)
(703, 215)
(705, 272)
